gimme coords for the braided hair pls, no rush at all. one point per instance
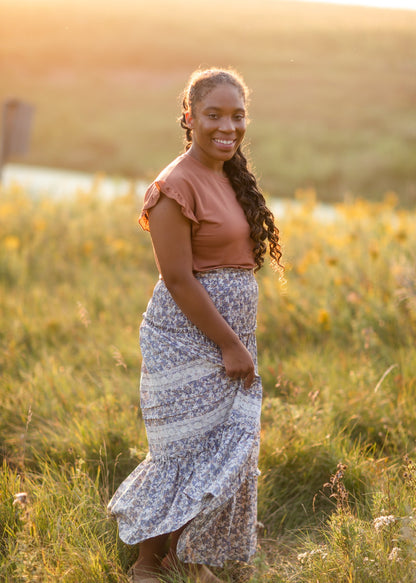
(263, 230)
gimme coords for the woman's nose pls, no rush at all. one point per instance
(227, 124)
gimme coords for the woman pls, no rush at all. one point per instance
(200, 392)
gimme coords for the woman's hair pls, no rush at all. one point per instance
(243, 181)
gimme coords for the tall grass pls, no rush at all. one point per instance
(338, 359)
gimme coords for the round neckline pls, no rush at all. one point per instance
(212, 172)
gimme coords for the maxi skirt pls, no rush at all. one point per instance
(203, 430)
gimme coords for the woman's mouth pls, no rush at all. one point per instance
(224, 143)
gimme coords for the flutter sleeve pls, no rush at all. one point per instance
(152, 195)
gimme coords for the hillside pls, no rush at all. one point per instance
(334, 87)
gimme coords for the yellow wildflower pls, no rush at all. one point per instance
(39, 224)
(324, 319)
(11, 243)
(88, 247)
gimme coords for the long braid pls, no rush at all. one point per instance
(243, 181)
(253, 203)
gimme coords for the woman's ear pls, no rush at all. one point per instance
(189, 120)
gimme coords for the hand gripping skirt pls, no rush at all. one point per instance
(202, 427)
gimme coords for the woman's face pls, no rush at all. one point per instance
(218, 125)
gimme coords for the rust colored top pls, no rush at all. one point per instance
(220, 233)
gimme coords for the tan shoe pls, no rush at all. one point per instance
(135, 576)
(201, 574)
(198, 573)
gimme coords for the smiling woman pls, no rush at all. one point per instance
(218, 125)
(200, 390)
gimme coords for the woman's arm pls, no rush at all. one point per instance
(171, 237)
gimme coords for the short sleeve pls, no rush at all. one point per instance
(152, 196)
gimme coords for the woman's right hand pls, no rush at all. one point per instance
(238, 362)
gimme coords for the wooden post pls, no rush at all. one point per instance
(15, 130)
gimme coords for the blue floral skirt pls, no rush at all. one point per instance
(203, 430)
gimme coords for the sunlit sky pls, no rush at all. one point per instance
(408, 4)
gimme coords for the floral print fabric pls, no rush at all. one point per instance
(203, 430)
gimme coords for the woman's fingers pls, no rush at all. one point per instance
(239, 363)
(249, 379)
(247, 374)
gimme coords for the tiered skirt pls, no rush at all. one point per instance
(203, 430)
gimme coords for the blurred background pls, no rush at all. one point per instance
(332, 116)
(333, 87)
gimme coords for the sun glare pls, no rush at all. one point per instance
(394, 4)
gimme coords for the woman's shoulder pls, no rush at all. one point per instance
(179, 169)
(175, 182)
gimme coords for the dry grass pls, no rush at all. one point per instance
(338, 360)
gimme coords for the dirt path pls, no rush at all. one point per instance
(56, 183)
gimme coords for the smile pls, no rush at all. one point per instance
(225, 142)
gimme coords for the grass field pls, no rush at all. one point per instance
(338, 360)
(333, 97)
(332, 112)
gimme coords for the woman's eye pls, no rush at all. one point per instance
(213, 116)
(239, 117)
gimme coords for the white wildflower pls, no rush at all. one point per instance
(394, 554)
(381, 521)
(305, 557)
(20, 499)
